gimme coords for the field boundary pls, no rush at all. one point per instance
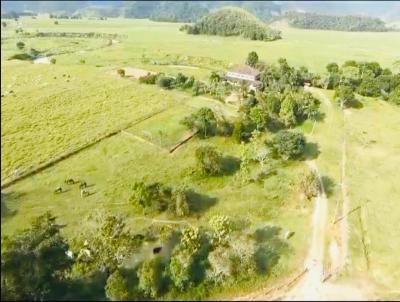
(29, 172)
(182, 141)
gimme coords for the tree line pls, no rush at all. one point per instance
(39, 263)
(342, 23)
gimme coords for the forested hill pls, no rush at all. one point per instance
(233, 21)
(342, 23)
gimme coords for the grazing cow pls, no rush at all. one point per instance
(83, 184)
(84, 193)
(58, 190)
(69, 181)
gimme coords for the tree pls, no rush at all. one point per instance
(20, 45)
(181, 205)
(208, 160)
(117, 287)
(222, 227)
(107, 248)
(344, 95)
(184, 256)
(394, 96)
(252, 59)
(35, 262)
(121, 72)
(307, 106)
(288, 144)
(53, 61)
(332, 68)
(214, 77)
(259, 117)
(180, 80)
(309, 185)
(287, 113)
(203, 121)
(369, 86)
(151, 276)
(165, 82)
(153, 197)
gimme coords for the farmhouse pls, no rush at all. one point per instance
(244, 73)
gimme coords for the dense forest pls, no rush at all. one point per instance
(232, 21)
(343, 23)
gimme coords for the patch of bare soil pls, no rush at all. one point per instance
(136, 72)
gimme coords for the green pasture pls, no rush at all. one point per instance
(312, 48)
(372, 174)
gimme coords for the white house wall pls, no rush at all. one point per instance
(240, 76)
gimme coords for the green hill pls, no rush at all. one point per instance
(232, 21)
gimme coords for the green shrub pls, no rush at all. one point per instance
(148, 79)
(165, 82)
(121, 72)
(20, 45)
(288, 144)
(203, 121)
(53, 61)
(208, 160)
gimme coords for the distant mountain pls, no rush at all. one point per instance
(188, 10)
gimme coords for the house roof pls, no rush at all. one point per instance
(245, 69)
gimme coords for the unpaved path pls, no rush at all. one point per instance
(311, 284)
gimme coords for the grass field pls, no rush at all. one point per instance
(57, 108)
(372, 149)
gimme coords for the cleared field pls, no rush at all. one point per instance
(373, 161)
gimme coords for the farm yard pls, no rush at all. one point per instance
(113, 132)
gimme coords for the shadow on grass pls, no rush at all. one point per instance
(311, 151)
(329, 185)
(320, 117)
(9, 197)
(230, 164)
(199, 202)
(266, 233)
(21, 56)
(356, 104)
(270, 248)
